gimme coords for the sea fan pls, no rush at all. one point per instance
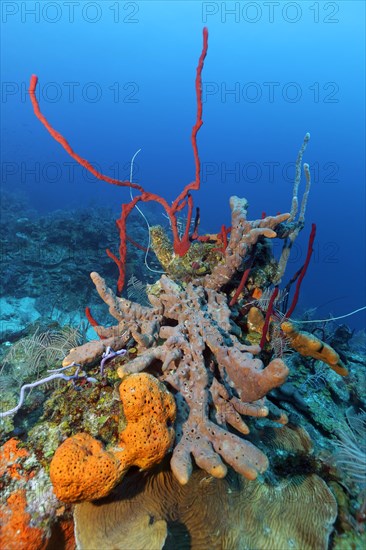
(350, 456)
(32, 354)
(317, 380)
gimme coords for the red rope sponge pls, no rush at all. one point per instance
(181, 245)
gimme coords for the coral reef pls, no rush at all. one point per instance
(225, 423)
(42, 254)
(202, 358)
(199, 259)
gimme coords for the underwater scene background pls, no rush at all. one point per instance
(132, 435)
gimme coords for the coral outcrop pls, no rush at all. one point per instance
(189, 339)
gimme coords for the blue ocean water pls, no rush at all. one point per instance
(118, 76)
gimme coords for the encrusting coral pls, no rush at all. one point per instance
(17, 531)
(82, 469)
(199, 259)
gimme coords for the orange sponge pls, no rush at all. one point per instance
(82, 469)
(310, 346)
(16, 532)
(149, 409)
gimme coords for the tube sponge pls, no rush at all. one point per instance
(310, 346)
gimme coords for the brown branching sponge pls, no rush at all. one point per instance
(189, 340)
